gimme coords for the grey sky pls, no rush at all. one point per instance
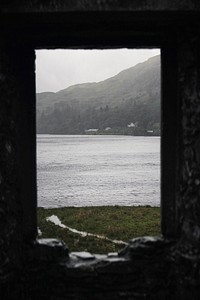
(58, 69)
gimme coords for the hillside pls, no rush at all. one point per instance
(130, 97)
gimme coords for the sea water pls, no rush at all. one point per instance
(96, 170)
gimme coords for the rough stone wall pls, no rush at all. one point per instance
(17, 180)
(101, 5)
(189, 74)
(9, 202)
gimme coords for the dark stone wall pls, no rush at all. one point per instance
(94, 5)
(148, 268)
(189, 72)
(17, 156)
(10, 203)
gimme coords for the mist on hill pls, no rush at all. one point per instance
(128, 103)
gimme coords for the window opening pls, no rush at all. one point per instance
(98, 146)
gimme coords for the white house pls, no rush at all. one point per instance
(131, 125)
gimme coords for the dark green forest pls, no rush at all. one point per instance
(128, 103)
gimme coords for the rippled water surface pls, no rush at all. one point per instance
(82, 170)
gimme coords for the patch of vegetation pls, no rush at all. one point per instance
(114, 222)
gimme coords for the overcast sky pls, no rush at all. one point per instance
(58, 69)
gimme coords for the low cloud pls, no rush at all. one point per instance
(58, 69)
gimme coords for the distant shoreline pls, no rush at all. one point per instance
(91, 134)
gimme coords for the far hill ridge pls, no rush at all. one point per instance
(130, 97)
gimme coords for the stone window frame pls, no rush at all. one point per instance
(101, 31)
(96, 38)
(155, 37)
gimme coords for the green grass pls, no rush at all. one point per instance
(114, 222)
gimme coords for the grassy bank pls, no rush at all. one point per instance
(113, 222)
